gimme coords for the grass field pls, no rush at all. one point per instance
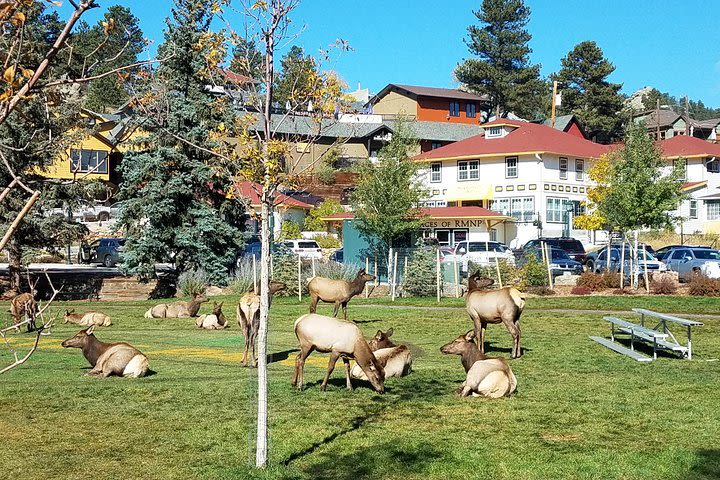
(581, 411)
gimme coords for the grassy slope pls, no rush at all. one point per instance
(581, 411)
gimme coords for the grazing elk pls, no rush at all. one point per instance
(395, 359)
(338, 292)
(487, 376)
(213, 321)
(88, 319)
(504, 305)
(21, 305)
(177, 309)
(248, 317)
(339, 338)
(109, 358)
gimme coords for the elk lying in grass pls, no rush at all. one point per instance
(339, 338)
(248, 318)
(395, 359)
(338, 292)
(177, 309)
(487, 376)
(213, 321)
(88, 319)
(109, 358)
(24, 305)
(504, 305)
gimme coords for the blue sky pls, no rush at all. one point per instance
(666, 44)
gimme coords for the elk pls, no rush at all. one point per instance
(338, 292)
(504, 305)
(177, 309)
(340, 338)
(21, 305)
(109, 358)
(395, 359)
(487, 376)
(248, 317)
(214, 321)
(87, 319)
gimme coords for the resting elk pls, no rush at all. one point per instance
(87, 319)
(248, 318)
(177, 309)
(338, 292)
(213, 321)
(21, 305)
(339, 338)
(109, 358)
(504, 305)
(487, 376)
(395, 359)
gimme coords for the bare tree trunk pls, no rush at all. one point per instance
(261, 452)
(15, 265)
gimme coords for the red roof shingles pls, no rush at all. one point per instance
(525, 138)
(250, 191)
(440, 212)
(685, 146)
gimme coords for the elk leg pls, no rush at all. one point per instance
(344, 306)
(331, 366)
(300, 366)
(514, 330)
(335, 310)
(313, 303)
(346, 361)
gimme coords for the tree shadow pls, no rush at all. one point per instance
(706, 466)
(280, 356)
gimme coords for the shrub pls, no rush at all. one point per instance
(336, 271)
(611, 279)
(543, 291)
(193, 282)
(581, 290)
(420, 279)
(242, 280)
(510, 274)
(313, 220)
(592, 281)
(702, 286)
(285, 269)
(534, 273)
(664, 286)
(290, 230)
(327, 241)
(623, 291)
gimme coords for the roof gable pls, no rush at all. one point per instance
(416, 91)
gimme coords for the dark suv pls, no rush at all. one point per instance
(103, 250)
(573, 247)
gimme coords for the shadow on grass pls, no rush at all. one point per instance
(707, 465)
(280, 356)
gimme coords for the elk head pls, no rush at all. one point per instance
(276, 287)
(364, 277)
(376, 375)
(381, 340)
(460, 344)
(67, 314)
(80, 339)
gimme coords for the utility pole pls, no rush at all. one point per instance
(552, 112)
(657, 120)
(687, 116)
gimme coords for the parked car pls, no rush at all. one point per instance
(560, 261)
(688, 261)
(303, 248)
(103, 250)
(572, 246)
(662, 252)
(90, 213)
(649, 260)
(591, 257)
(481, 253)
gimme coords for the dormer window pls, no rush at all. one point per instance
(493, 132)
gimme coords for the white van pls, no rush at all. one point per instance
(303, 248)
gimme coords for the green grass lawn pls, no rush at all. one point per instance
(581, 410)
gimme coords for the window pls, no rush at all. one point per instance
(511, 167)
(555, 210)
(493, 235)
(579, 170)
(88, 161)
(520, 208)
(713, 209)
(713, 165)
(693, 209)
(469, 170)
(454, 108)
(684, 168)
(435, 172)
(470, 110)
(435, 145)
(563, 168)
(493, 132)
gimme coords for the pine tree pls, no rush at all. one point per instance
(298, 74)
(420, 279)
(586, 92)
(503, 70)
(177, 208)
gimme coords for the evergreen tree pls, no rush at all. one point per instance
(503, 70)
(586, 92)
(175, 189)
(297, 79)
(420, 279)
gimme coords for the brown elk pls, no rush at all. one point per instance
(248, 317)
(109, 358)
(504, 305)
(87, 319)
(339, 338)
(487, 376)
(338, 292)
(213, 321)
(21, 305)
(395, 359)
(178, 309)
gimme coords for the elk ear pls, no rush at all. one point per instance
(221, 304)
(470, 336)
(389, 332)
(378, 335)
(90, 330)
(67, 312)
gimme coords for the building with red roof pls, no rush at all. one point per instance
(285, 208)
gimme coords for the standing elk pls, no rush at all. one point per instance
(213, 321)
(338, 292)
(88, 319)
(504, 305)
(487, 376)
(339, 338)
(248, 317)
(21, 305)
(178, 309)
(109, 358)
(395, 359)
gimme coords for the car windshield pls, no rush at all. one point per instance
(558, 254)
(570, 245)
(312, 244)
(485, 246)
(707, 254)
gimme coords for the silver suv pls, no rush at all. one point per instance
(687, 261)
